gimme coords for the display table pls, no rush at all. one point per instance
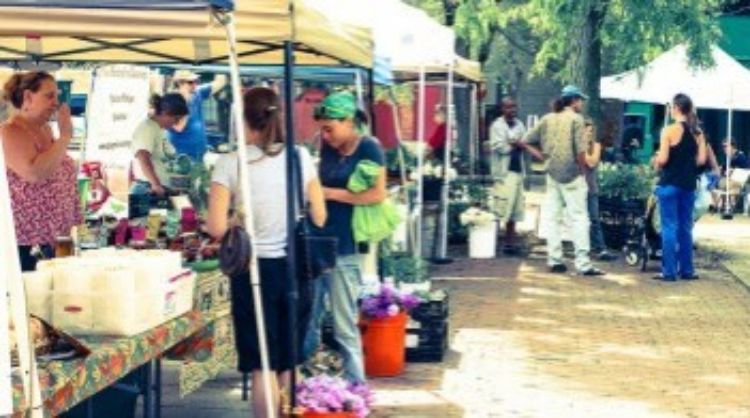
(67, 383)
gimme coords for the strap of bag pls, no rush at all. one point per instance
(299, 198)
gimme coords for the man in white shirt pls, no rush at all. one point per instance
(508, 170)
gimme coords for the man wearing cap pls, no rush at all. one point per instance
(189, 137)
(561, 137)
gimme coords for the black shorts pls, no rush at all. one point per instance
(273, 284)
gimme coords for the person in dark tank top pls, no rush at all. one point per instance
(681, 151)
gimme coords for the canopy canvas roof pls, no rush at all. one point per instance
(405, 36)
(153, 35)
(718, 87)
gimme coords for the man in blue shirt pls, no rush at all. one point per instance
(189, 137)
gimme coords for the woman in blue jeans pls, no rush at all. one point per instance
(681, 151)
(344, 145)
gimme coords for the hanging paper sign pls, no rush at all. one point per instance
(119, 102)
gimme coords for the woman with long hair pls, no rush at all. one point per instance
(681, 151)
(266, 168)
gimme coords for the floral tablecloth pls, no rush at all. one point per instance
(67, 383)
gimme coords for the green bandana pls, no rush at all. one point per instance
(337, 106)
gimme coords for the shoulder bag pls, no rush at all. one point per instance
(315, 253)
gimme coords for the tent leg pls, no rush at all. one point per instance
(291, 187)
(442, 235)
(371, 98)
(728, 207)
(237, 108)
(420, 160)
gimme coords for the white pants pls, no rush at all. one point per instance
(510, 201)
(568, 200)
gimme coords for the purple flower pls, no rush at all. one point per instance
(333, 394)
(388, 302)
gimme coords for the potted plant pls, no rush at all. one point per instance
(482, 226)
(464, 194)
(408, 272)
(623, 192)
(326, 396)
(383, 324)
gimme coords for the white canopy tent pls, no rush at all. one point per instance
(722, 86)
(266, 31)
(153, 35)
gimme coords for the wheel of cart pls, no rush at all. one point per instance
(633, 255)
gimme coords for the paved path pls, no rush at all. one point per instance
(530, 344)
(526, 343)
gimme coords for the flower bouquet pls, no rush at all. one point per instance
(388, 302)
(432, 179)
(474, 216)
(327, 396)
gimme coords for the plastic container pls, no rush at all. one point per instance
(483, 240)
(383, 345)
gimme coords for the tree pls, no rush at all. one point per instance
(576, 41)
(582, 39)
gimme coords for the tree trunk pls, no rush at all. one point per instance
(589, 62)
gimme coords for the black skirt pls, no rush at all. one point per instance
(274, 289)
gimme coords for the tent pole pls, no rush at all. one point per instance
(371, 98)
(291, 215)
(13, 291)
(728, 209)
(443, 235)
(473, 134)
(237, 108)
(411, 242)
(420, 159)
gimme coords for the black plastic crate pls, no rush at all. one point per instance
(425, 355)
(427, 343)
(435, 307)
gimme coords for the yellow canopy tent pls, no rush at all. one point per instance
(151, 36)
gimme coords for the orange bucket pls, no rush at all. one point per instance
(383, 345)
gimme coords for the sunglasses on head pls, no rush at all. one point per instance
(325, 113)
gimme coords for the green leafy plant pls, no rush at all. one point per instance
(625, 182)
(405, 268)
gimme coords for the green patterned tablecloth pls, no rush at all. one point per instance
(67, 383)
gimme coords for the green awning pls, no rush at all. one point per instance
(735, 35)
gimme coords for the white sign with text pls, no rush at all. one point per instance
(119, 102)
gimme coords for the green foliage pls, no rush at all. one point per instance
(626, 182)
(632, 32)
(405, 268)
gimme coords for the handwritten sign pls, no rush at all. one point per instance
(119, 102)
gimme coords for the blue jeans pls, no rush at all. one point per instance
(676, 210)
(342, 286)
(595, 233)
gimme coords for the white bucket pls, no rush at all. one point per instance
(482, 240)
